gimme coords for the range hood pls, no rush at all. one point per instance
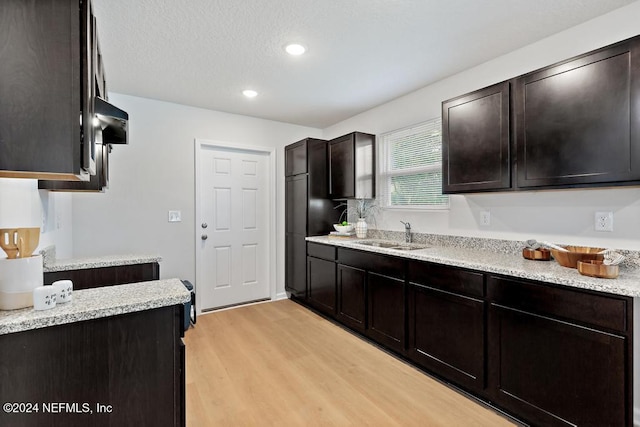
(113, 121)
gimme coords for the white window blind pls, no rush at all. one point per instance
(411, 167)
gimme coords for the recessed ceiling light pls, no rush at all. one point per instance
(250, 93)
(295, 49)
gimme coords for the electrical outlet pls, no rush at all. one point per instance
(485, 218)
(604, 221)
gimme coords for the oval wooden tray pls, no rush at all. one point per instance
(595, 268)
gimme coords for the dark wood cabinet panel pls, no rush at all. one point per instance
(593, 310)
(447, 334)
(381, 264)
(131, 362)
(106, 276)
(295, 159)
(476, 141)
(555, 373)
(296, 265)
(318, 250)
(342, 168)
(352, 166)
(450, 279)
(47, 72)
(321, 281)
(352, 292)
(578, 122)
(386, 310)
(296, 203)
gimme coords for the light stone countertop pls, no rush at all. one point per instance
(508, 264)
(97, 262)
(96, 303)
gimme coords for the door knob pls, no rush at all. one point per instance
(204, 237)
(204, 225)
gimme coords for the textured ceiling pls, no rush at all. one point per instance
(361, 53)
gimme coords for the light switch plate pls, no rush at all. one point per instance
(175, 216)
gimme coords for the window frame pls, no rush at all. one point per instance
(384, 175)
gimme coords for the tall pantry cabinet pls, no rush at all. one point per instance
(308, 210)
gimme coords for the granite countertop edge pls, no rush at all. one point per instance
(514, 265)
(98, 262)
(88, 304)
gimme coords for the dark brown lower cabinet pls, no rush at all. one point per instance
(446, 335)
(352, 291)
(560, 357)
(555, 373)
(125, 370)
(322, 284)
(386, 307)
(548, 355)
(106, 276)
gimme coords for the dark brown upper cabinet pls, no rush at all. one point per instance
(352, 166)
(571, 124)
(46, 72)
(475, 141)
(578, 122)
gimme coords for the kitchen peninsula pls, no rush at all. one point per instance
(112, 356)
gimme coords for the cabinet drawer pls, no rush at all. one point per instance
(447, 278)
(610, 312)
(381, 264)
(319, 250)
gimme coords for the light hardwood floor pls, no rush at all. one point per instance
(279, 364)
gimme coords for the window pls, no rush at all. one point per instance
(411, 167)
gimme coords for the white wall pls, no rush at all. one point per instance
(565, 216)
(23, 205)
(155, 173)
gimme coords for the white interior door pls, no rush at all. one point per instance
(232, 231)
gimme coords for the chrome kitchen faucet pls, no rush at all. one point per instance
(407, 232)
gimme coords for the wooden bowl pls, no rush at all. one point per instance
(540, 254)
(595, 268)
(576, 253)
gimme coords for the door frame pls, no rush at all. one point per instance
(271, 153)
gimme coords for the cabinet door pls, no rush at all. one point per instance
(352, 283)
(579, 122)
(385, 297)
(446, 335)
(296, 265)
(43, 89)
(342, 167)
(475, 141)
(321, 282)
(555, 373)
(296, 205)
(295, 158)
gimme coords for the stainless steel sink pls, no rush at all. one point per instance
(379, 244)
(393, 245)
(409, 248)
